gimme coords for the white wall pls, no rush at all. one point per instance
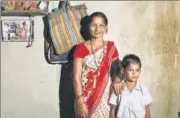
(29, 86)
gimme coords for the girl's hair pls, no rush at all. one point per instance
(116, 69)
(94, 14)
(130, 58)
(24, 23)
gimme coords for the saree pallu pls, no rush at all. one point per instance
(96, 82)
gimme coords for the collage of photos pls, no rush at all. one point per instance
(17, 30)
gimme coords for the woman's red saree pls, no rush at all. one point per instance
(95, 78)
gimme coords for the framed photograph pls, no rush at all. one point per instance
(17, 30)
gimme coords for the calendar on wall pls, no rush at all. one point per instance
(17, 30)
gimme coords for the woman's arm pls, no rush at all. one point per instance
(118, 86)
(77, 72)
(117, 76)
(147, 107)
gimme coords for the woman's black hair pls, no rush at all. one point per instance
(130, 58)
(116, 69)
(94, 14)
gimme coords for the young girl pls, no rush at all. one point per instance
(135, 100)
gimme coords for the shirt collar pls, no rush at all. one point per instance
(137, 87)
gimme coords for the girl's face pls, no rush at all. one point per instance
(132, 72)
(97, 27)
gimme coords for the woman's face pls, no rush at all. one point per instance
(97, 27)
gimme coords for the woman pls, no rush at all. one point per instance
(91, 65)
(24, 31)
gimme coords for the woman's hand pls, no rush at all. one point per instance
(118, 86)
(82, 108)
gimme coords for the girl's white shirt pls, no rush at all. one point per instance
(131, 104)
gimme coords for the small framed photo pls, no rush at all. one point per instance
(17, 30)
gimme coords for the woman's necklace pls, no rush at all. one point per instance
(95, 61)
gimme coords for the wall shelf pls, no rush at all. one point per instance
(23, 13)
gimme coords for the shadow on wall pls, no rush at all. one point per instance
(66, 91)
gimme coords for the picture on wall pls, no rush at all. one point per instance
(17, 30)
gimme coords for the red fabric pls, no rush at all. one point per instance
(81, 51)
(98, 91)
(102, 79)
(115, 54)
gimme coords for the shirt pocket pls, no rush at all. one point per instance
(138, 105)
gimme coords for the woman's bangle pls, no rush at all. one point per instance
(81, 104)
(79, 96)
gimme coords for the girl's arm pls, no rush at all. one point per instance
(147, 107)
(113, 104)
(112, 111)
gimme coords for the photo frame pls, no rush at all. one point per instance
(19, 30)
